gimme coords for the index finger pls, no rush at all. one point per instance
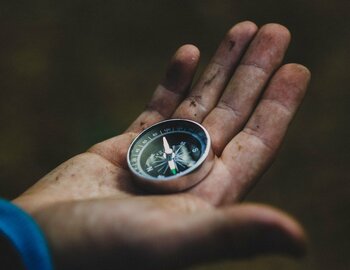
(170, 92)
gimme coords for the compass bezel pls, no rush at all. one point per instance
(182, 180)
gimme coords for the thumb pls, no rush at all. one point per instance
(239, 232)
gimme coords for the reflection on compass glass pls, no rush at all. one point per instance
(168, 149)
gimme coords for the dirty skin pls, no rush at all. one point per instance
(231, 45)
(194, 100)
(210, 80)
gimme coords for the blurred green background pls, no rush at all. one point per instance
(77, 72)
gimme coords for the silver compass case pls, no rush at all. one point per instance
(171, 156)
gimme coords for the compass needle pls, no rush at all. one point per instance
(167, 149)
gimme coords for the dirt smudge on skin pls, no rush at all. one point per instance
(142, 125)
(194, 101)
(239, 147)
(211, 79)
(232, 44)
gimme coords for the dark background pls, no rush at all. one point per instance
(76, 72)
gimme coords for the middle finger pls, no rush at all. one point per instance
(205, 94)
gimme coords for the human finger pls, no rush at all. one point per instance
(204, 95)
(170, 92)
(249, 154)
(262, 58)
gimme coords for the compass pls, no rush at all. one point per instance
(171, 155)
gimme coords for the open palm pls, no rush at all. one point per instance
(93, 215)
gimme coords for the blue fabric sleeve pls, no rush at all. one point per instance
(25, 235)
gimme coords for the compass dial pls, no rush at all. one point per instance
(169, 150)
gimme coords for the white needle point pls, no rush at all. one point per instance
(168, 151)
(167, 148)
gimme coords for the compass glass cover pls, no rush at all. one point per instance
(168, 149)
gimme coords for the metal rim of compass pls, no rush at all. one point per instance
(184, 179)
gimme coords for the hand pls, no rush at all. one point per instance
(93, 215)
